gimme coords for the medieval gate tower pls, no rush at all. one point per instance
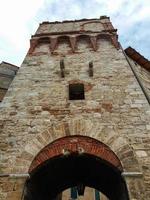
(75, 118)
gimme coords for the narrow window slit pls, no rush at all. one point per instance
(62, 68)
(90, 68)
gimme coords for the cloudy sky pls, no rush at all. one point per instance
(19, 20)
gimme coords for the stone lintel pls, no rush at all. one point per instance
(25, 175)
(132, 174)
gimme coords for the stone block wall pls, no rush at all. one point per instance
(37, 109)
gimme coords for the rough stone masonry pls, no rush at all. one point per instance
(37, 110)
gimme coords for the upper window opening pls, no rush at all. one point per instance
(76, 91)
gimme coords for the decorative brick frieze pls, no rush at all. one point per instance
(72, 40)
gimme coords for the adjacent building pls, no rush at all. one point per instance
(7, 74)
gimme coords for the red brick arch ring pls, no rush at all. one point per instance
(76, 144)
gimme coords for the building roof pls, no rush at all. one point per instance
(138, 58)
(9, 64)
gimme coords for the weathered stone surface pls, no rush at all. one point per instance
(37, 110)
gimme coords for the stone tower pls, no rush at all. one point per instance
(75, 116)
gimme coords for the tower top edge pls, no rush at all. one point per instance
(76, 20)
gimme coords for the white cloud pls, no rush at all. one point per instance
(14, 18)
(20, 18)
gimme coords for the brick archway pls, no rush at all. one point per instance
(76, 144)
(75, 161)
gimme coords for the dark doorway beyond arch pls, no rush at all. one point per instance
(75, 169)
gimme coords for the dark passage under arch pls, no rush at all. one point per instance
(71, 169)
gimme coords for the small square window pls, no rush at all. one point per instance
(76, 91)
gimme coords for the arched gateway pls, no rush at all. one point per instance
(75, 161)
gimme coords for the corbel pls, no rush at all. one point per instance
(93, 40)
(114, 41)
(33, 44)
(53, 44)
(73, 41)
